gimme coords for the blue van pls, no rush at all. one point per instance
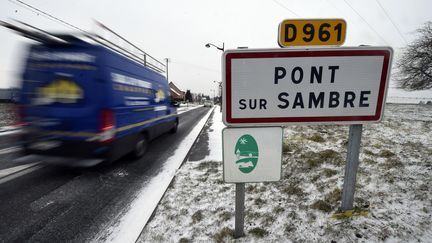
(84, 103)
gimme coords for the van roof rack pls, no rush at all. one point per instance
(126, 48)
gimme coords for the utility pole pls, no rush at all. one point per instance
(167, 60)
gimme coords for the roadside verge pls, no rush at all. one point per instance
(131, 222)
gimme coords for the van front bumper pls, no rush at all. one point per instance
(75, 152)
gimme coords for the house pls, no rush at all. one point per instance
(176, 93)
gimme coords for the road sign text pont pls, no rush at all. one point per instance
(296, 74)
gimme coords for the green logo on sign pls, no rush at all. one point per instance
(246, 151)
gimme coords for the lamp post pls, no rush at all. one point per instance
(219, 48)
(219, 85)
(219, 93)
(213, 94)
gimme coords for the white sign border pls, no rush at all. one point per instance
(281, 157)
(303, 49)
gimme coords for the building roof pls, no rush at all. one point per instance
(176, 93)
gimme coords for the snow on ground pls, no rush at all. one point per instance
(8, 114)
(394, 184)
(215, 137)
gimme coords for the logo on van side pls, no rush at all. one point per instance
(61, 91)
(160, 95)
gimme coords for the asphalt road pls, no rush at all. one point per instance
(55, 204)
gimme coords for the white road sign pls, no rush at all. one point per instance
(316, 85)
(252, 154)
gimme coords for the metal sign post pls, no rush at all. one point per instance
(354, 141)
(239, 210)
(250, 155)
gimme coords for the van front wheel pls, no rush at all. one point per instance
(140, 147)
(174, 128)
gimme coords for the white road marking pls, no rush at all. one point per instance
(10, 150)
(17, 171)
(8, 130)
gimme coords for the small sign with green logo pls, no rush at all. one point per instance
(246, 151)
(252, 154)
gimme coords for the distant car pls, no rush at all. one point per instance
(208, 103)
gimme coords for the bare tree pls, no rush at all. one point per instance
(415, 64)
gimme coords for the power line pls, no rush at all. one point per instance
(283, 6)
(195, 66)
(364, 20)
(394, 24)
(334, 6)
(47, 15)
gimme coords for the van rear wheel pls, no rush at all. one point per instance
(140, 147)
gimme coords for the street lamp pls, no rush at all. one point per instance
(221, 49)
(219, 93)
(219, 85)
(213, 94)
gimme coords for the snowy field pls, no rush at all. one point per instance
(7, 114)
(394, 185)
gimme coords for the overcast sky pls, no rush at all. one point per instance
(179, 30)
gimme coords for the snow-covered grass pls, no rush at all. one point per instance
(394, 184)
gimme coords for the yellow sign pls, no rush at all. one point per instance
(312, 32)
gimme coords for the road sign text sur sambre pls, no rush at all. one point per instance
(298, 100)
